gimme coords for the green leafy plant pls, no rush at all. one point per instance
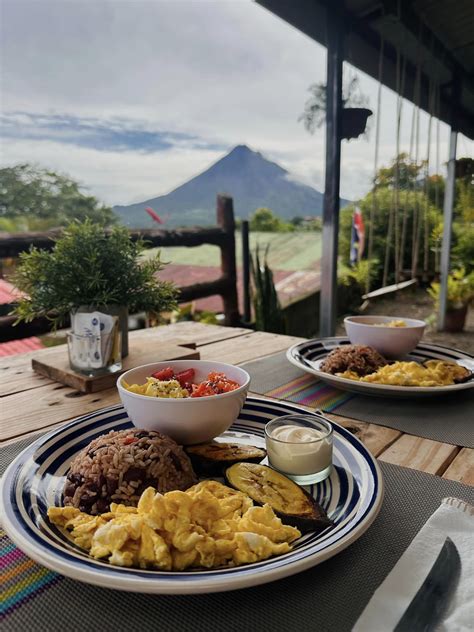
(90, 265)
(190, 313)
(268, 312)
(460, 289)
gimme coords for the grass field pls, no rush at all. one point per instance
(288, 251)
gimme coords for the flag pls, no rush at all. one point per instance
(154, 216)
(357, 236)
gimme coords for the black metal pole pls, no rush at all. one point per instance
(448, 207)
(246, 270)
(328, 303)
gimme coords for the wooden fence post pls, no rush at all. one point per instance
(225, 219)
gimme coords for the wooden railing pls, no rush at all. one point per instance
(223, 236)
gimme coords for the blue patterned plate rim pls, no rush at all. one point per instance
(353, 496)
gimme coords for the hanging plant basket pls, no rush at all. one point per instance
(354, 122)
(464, 167)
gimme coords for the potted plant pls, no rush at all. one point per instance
(91, 268)
(354, 122)
(354, 113)
(460, 295)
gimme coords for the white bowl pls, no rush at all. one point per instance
(191, 419)
(392, 342)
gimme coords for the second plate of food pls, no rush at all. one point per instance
(310, 356)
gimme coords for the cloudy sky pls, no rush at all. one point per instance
(134, 97)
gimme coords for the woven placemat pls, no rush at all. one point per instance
(328, 597)
(449, 419)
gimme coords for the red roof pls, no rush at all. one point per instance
(13, 347)
(8, 293)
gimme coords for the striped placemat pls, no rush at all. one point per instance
(21, 578)
(307, 391)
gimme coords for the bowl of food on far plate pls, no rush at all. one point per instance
(392, 336)
(191, 401)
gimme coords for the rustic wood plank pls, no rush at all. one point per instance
(462, 467)
(248, 347)
(420, 454)
(375, 438)
(16, 374)
(189, 331)
(51, 404)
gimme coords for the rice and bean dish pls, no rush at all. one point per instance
(119, 466)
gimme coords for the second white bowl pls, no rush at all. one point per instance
(191, 419)
(392, 342)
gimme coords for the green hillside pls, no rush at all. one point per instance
(288, 251)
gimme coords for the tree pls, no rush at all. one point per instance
(264, 220)
(411, 204)
(409, 173)
(33, 198)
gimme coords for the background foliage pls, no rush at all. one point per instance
(32, 198)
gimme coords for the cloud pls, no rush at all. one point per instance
(116, 134)
(135, 97)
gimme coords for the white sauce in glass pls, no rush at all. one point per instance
(299, 450)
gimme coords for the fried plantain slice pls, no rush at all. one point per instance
(213, 457)
(288, 500)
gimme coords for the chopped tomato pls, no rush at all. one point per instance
(129, 440)
(185, 376)
(215, 384)
(202, 390)
(164, 374)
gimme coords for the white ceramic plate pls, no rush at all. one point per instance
(309, 355)
(352, 497)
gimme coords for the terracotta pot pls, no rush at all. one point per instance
(455, 319)
(354, 122)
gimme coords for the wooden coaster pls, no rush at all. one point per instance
(56, 367)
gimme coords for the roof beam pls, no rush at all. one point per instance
(363, 44)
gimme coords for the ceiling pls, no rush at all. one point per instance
(433, 37)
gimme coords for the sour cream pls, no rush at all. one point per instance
(299, 450)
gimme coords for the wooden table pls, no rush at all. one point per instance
(30, 403)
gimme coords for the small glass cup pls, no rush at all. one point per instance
(300, 446)
(95, 355)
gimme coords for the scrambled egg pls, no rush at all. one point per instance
(432, 373)
(158, 388)
(209, 525)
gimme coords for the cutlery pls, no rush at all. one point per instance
(430, 603)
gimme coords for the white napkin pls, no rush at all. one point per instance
(454, 518)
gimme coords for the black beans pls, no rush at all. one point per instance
(176, 462)
(133, 474)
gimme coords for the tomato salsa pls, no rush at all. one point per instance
(216, 383)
